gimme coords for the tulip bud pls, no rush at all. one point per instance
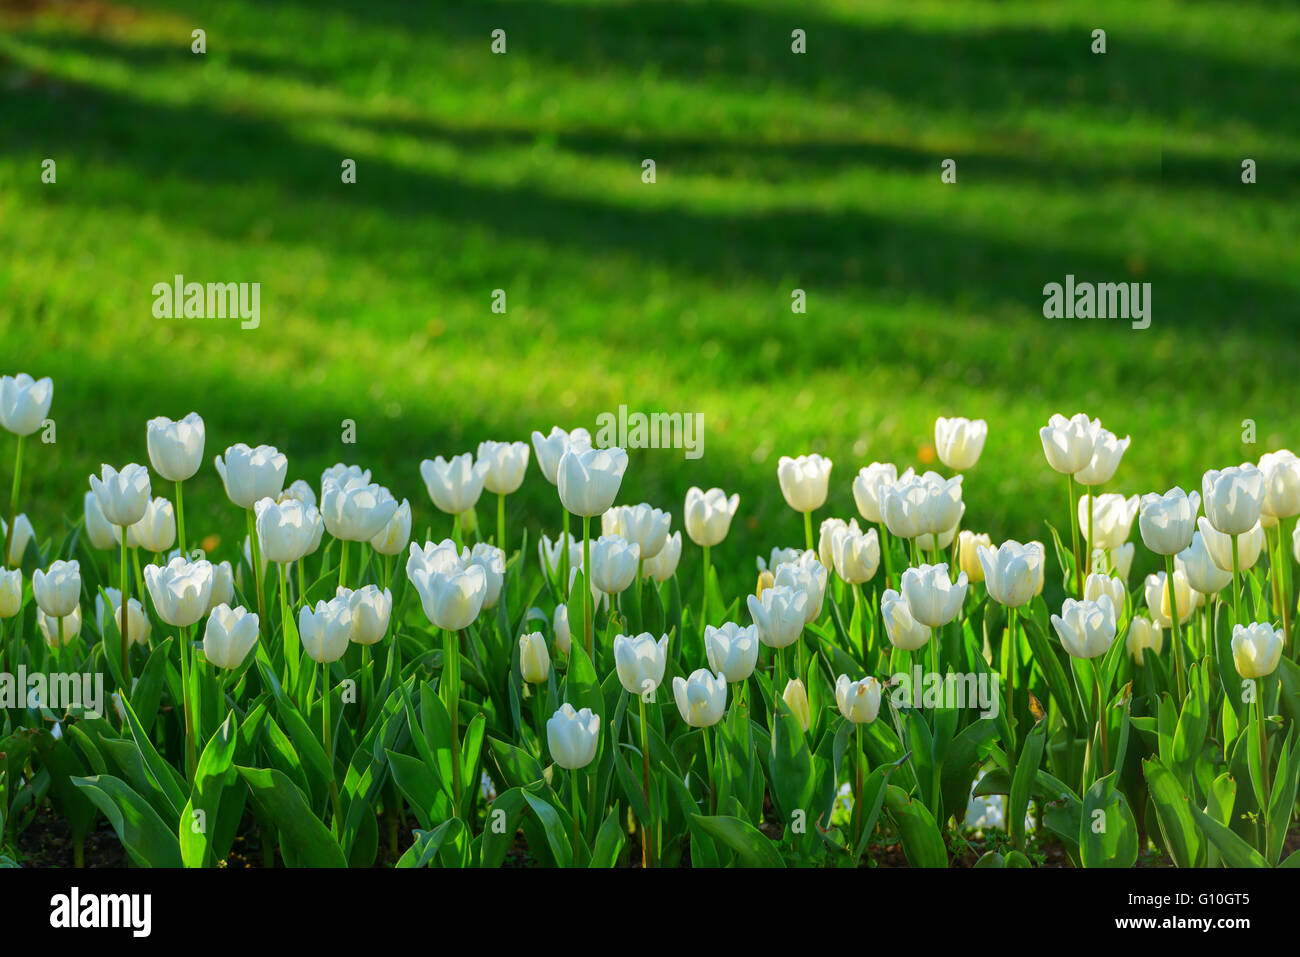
(1086, 628)
(23, 534)
(370, 608)
(560, 625)
(326, 630)
(868, 489)
(1012, 572)
(1097, 585)
(534, 659)
(1157, 598)
(181, 590)
(588, 480)
(102, 535)
(1281, 471)
(223, 585)
(392, 539)
(138, 623)
(932, 596)
(1168, 521)
(613, 564)
(250, 474)
(664, 565)
(1143, 634)
(795, 697)
(959, 441)
(506, 464)
(1233, 498)
(11, 592)
(122, 496)
(765, 580)
(1068, 443)
(156, 530)
(969, 545)
(857, 554)
(904, 631)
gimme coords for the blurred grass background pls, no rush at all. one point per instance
(775, 171)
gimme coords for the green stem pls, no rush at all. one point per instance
(1177, 628)
(859, 806)
(577, 810)
(1263, 744)
(451, 693)
(586, 585)
(1010, 658)
(327, 739)
(292, 654)
(501, 522)
(1101, 718)
(807, 530)
(180, 521)
(647, 859)
(13, 503)
(564, 556)
(186, 704)
(302, 583)
(255, 554)
(1088, 495)
(125, 624)
(1236, 591)
(343, 563)
(1074, 536)
(708, 761)
(704, 600)
(884, 553)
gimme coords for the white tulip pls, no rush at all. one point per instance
(58, 590)
(156, 530)
(588, 479)
(1203, 572)
(1156, 591)
(1086, 628)
(780, 614)
(452, 598)
(138, 625)
(869, 486)
(1233, 498)
(23, 534)
(1112, 518)
(534, 659)
(1219, 545)
(969, 545)
(181, 590)
(299, 491)
(229, 636)
(664, 565)
(549, 553)
(857, 555)
(551, 448)
(223, 585)
(101, 533)
(24, 402)
(795, 697)
(560, 625)
(904, 631)
(701, 698)
(176, 448)
(708, 515)
(1011, 572)
(286, 530)
(1256, 649)
(732, 650)
(493, 562)
(613, 564)
(644, 526)
(356, 513)
(1281, 472)
(640, 662)
(251, 474)
(393, 538)
(858, 701)
(959, 441)
(49, 627)
(455, 484)
(932, 596)
(573, 737)
(1096, 585)
(1143, 634)
(122, 496)
(507, 462)
(830, 531)
(1068, 443)
(807, 575)
(370, 608)
(804, 480)
(923, 504)
(11, 592)
(326, 629)
(1167, 521)
(1107, 451)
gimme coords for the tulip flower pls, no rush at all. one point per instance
(356, 513)
(904, 631)
(858, 701)
(24, 404)
(1097, 585)
(223, 585)
(560, 625)
(180, 590)
(1249, 545)
(176, 452)
(708, 515)
(11, 592)
(550, 449)
(58, 590)
(932, 596)
(1086, 628)
(21, 536)
(1107, 450)
(926, 504)
(664, 565)
(138, 626)
(701, 698)
(857, 555)
(588, 481)
(59, 632)
(1256, 651)
(250, 474)
(102, 535)
(123, 498)
(803, 482)
(559, 554)
(959, 441)
(969, 545)
(795, 697)
(1069, 445)
(1162, 596)
(644, 526)
(393, 538)
(1233, 498)
(229, 636)
(285, 530)
(1111, 521)
(613, 564)
(507, 462)
(732, 650)
(869, 486)
(1203, 572)
(1143, 634)
(534, 659)
(1011, 572)
(156, 530)
(326, 629)
(809, 576)
(640, 663)
(453, 597)
(830, 532)
(370, 608)
(299, 491)
(573, 737)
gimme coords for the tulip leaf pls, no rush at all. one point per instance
(1182, 838)
(62, 764)
(148, 840)
(1107, 830)
(558, 828)
(503, 818)
(752, 847)
(1031, 754)
(421, 786)
(609, 840)
(1045, 657)
(922, 841)
(1236, 852)
(303, 838)
(200, 816)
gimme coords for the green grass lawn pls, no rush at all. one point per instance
(775, 171)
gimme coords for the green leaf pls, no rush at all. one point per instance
(609, 840)
(1182, 837)
(205, 797)
(1107, 830)
(148, 840)
(301, 833)
(922, 841)
(752, 847)
(1236, 852)
(1031, 754)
